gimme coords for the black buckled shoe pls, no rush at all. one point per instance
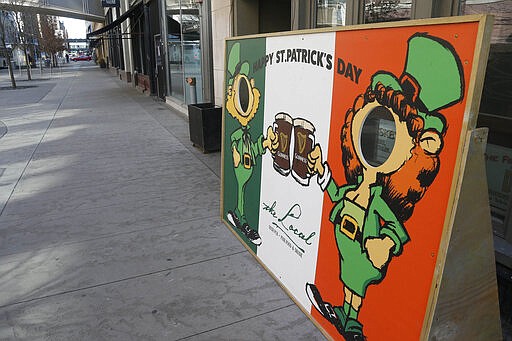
(353, 330)
(325, 308)
(251, 234)
(233, 220)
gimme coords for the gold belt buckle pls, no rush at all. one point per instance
(247, 161)
(349, 226)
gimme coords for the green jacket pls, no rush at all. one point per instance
(255, 149)
(377, 210)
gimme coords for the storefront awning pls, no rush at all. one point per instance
(116, 22)
(94, 43)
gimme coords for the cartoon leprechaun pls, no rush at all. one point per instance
(370, 210)
(242, 103)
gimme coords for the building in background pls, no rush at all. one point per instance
(60, 28)
(166, 42)
(31, 34)
(7, 20)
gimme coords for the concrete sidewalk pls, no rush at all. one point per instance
(109, 223)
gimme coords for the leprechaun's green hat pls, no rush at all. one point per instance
(432, 78)
(235, 67)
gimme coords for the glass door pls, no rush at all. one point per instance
(184, 50)
(174, 52)
(192, 53)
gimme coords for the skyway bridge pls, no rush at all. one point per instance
(90, 10)
(77, 40)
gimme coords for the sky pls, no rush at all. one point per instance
(75, 27)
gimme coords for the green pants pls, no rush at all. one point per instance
(357, 272)
(242, 175)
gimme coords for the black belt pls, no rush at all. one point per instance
(349, 227)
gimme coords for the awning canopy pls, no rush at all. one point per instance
(94, 42)
(116, 22)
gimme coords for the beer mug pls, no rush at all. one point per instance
(283, 129)
(304, 141)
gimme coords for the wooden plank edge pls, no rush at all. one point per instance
(478, 73)
(222, 136)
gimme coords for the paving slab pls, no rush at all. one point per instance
(182, 303)
(32, 93)
(32, 274)
(34, 229)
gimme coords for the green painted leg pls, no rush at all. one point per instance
(353, 328)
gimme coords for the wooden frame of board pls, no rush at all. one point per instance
(352, 171)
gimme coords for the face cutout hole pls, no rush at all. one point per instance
(378, 136)
(244, 89)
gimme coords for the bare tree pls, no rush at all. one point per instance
(32, 34)
(50, 42)
(6, 34)
(27, 26)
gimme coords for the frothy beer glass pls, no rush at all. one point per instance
(304, 140)
(283, 128)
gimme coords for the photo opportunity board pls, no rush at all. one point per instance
(342, 159)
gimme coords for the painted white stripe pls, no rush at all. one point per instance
(298, 82)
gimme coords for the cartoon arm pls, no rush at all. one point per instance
(325, 179)
(392, 236)
(271, 142)
(236, 156)
(258, 147)
(235, 138)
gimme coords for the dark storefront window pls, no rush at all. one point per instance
(184, 50)
(119, 42)
(330, 13)
(386, 10)
(138, 45)
(108, 21)
(115, 43)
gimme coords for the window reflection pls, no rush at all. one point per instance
(386, 10)
(497, 93)
(330, 13)
(190, 27)
(174, 54)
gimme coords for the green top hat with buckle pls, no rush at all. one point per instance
(432, 78)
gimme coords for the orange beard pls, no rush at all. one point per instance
(405, 187)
